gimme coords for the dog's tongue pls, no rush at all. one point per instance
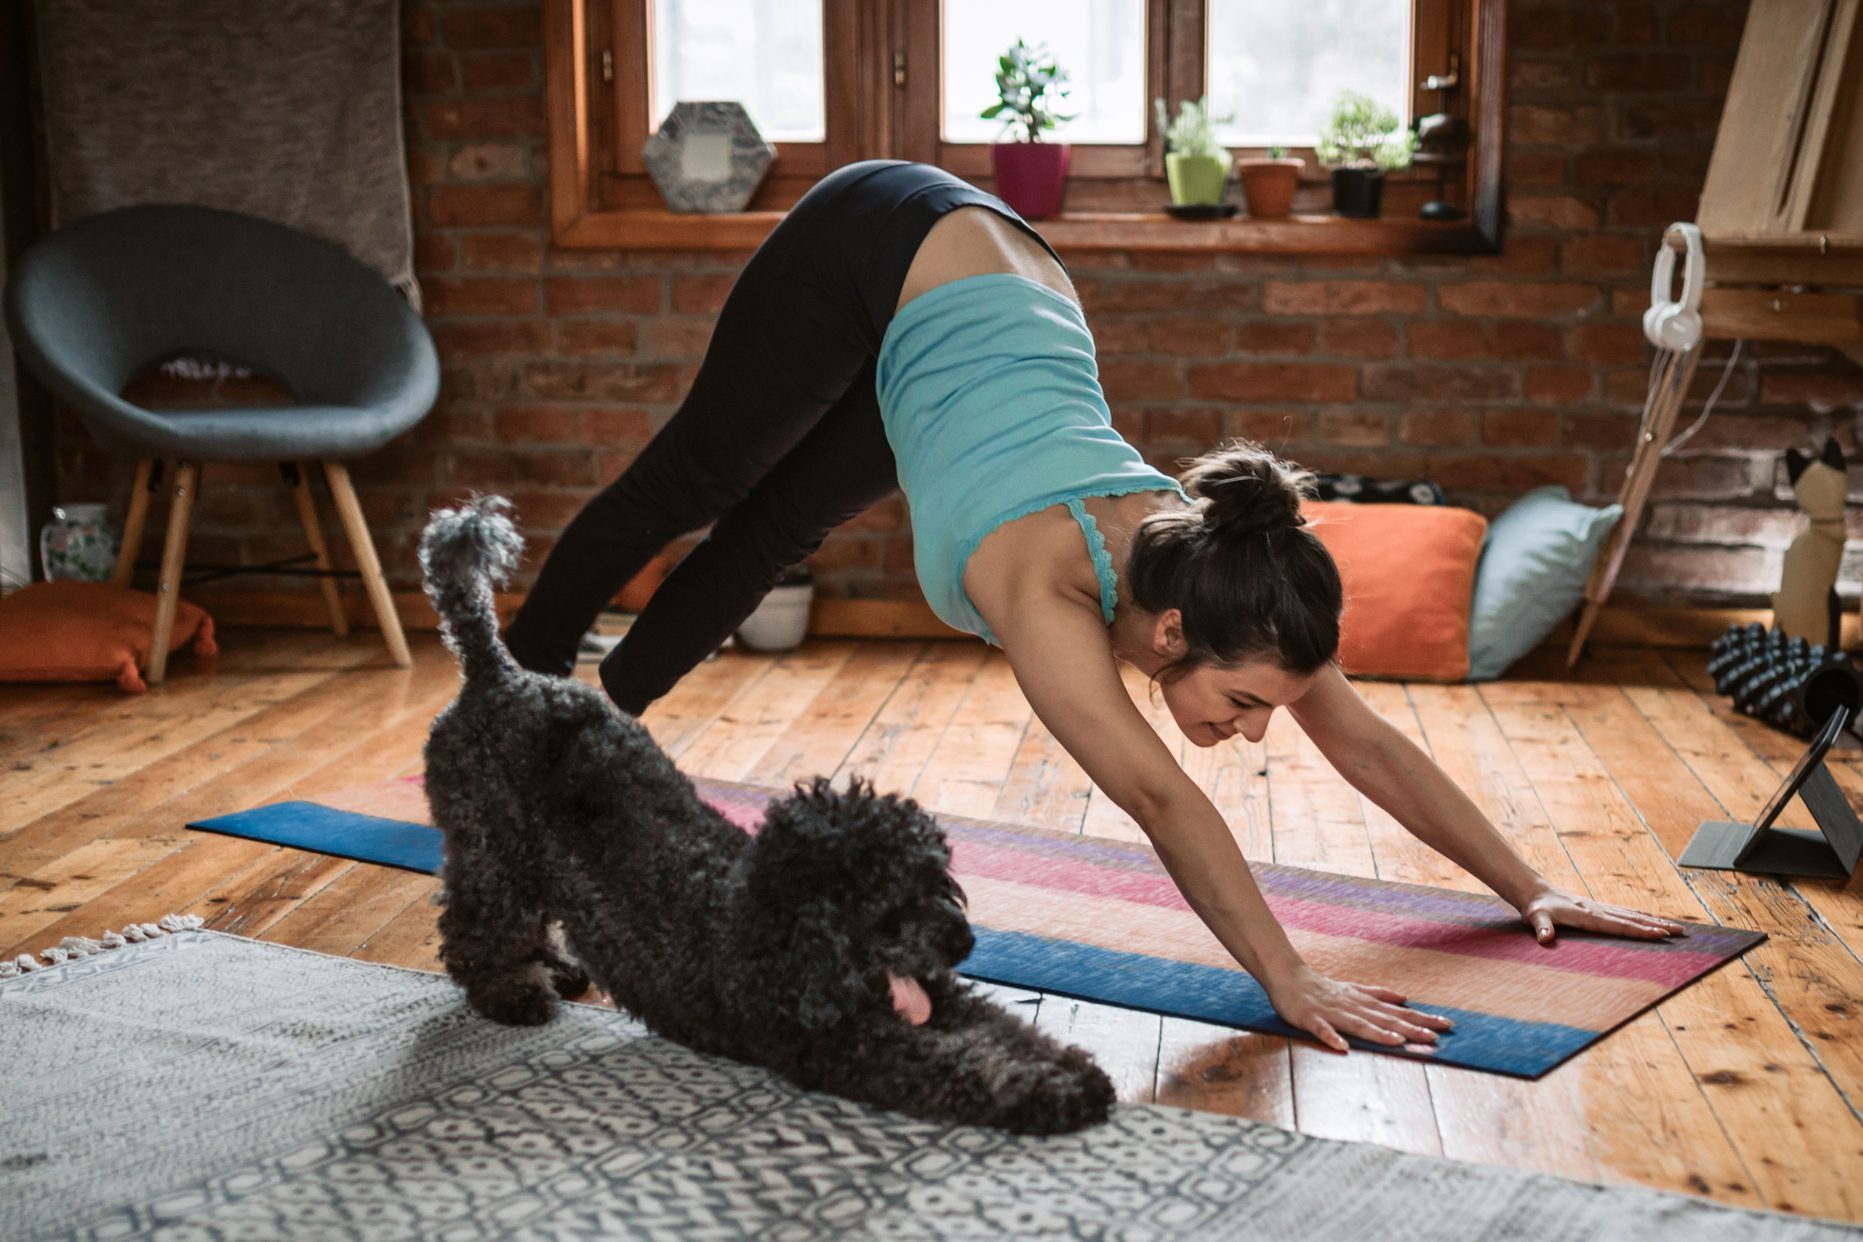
(910, 1000)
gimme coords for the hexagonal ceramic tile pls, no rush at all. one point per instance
(707, 157)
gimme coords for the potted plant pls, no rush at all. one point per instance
(781, 620)
(1362, 142)
(1195, 164)
(1268, 184)
(1030, 173)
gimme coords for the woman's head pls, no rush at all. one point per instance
(1247, 599)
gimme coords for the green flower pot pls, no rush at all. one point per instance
(1196, 178)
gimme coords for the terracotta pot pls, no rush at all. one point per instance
(1358, 192)
(1030, 176)
(1196, 179)
(1268, 187)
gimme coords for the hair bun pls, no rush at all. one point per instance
(1244, 487)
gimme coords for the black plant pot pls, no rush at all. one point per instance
(1358, 192)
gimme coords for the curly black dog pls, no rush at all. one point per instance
(814, 949)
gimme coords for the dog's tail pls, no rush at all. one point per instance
(464, 553)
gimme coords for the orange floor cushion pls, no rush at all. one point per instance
(89, 631)
(1409, 577)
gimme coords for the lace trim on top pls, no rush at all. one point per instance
(1102, 559)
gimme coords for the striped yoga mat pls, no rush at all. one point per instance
(1101, 920)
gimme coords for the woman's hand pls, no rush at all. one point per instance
(1329, 1010)
(1549, 908)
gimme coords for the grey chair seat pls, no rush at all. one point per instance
(108, 296)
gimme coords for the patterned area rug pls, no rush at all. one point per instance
(200, 1085)
(1101, 920)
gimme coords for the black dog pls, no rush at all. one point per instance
(822, 949)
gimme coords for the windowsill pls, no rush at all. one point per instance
(1330, 235)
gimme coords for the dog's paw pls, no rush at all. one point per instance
(567, 978)
(1070, 1094)
(531, 1004)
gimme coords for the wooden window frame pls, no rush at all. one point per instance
(600, 197)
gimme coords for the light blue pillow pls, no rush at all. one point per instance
(1532, 572)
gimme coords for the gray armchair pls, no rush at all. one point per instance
(97, 302)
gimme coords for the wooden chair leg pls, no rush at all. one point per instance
(313, 535)
(363, 548)
(132, 525)
(174, 548)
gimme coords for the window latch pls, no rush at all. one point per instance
(1446, 81)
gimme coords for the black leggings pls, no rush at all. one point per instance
(778, 442)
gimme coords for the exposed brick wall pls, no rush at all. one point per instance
(1492, 375)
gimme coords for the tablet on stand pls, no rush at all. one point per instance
(1760, 847)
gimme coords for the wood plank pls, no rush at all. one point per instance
(691, 707)
(346, 912)
(1123, 1041)
(897, 744)
(758, 716)
(825, 732)
(967, 768)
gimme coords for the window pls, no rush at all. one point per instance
(830, 81)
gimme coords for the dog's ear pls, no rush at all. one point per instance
(799, 898)
(819, 965)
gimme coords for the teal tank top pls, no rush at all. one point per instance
(992, 404)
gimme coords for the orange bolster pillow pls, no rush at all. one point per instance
(1409, 578)
(89, 631)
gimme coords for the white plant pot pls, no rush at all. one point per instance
(781, 620)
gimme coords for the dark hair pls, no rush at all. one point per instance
(1241, 566)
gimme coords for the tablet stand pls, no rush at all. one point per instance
(1761, 848)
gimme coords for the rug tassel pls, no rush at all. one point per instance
(73, 947)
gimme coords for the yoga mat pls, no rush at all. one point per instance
(1101, 920)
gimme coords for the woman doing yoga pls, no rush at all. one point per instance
(901, 327)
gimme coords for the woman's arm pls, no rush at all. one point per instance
(1059, 652)
(1391, 770)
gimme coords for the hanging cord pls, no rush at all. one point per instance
(1707, 409)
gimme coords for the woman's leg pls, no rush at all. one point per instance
(840, 468)
(780, 356)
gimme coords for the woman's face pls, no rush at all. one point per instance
(1214, 702)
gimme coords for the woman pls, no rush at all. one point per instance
(903, 325)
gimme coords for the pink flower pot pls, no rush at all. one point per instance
(1030, 176)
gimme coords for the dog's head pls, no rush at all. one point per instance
(851, 899)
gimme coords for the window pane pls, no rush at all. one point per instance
(765, 54)
(1278, 65)
(1100, 43)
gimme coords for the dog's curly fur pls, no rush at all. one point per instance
(775, 950)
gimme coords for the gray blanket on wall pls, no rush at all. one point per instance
(289, 110)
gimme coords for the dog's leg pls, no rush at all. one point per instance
(493, 942)
(567, 976)
(977, 1065)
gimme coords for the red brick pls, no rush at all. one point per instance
(1603, 253)
(1612, 166)
(1821, 390)
(1213, 296)
(1198, 426)
(547, 511)
(1707, 25)
(514, 26)
(1513, 299)
(701, 295)
(429, 73)
(492, 161)
(614, 427)
(1607, 342)
(1446, 340)
(1271, 427)
(1520, 428)
(1543, 27)
(1512, 472)
(1573, 127)
(1191, 335)
(1708, 478)
(1135, 379)
(1166, 261)
(1357, 338)
(1272, 381)
(1653, 206)
(1597, 431)
(665, 336)
(485, 204)
(498, 336)
(595, 337)
(1357, 428)
(1122, 334)
(1560, 211)
(1382, 462)
(509, 116)
(1670, 119)
(1527, 340)
(1722, 524)
(502, 252)
(479, 295)
(581, 295)
(603, 382)
(1270, 337)
(1536, 168)
(500, 71)
(1555, 385)
(417, 24)
(1639, 72)
(535, 424)
(1341, 297)
(1772, 432)
(1431, 427)
(433, 252)
(1408, 382)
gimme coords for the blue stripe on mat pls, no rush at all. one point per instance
(347, 834)
(1016, 959)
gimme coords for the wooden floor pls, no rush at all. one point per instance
(1744, 1087)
